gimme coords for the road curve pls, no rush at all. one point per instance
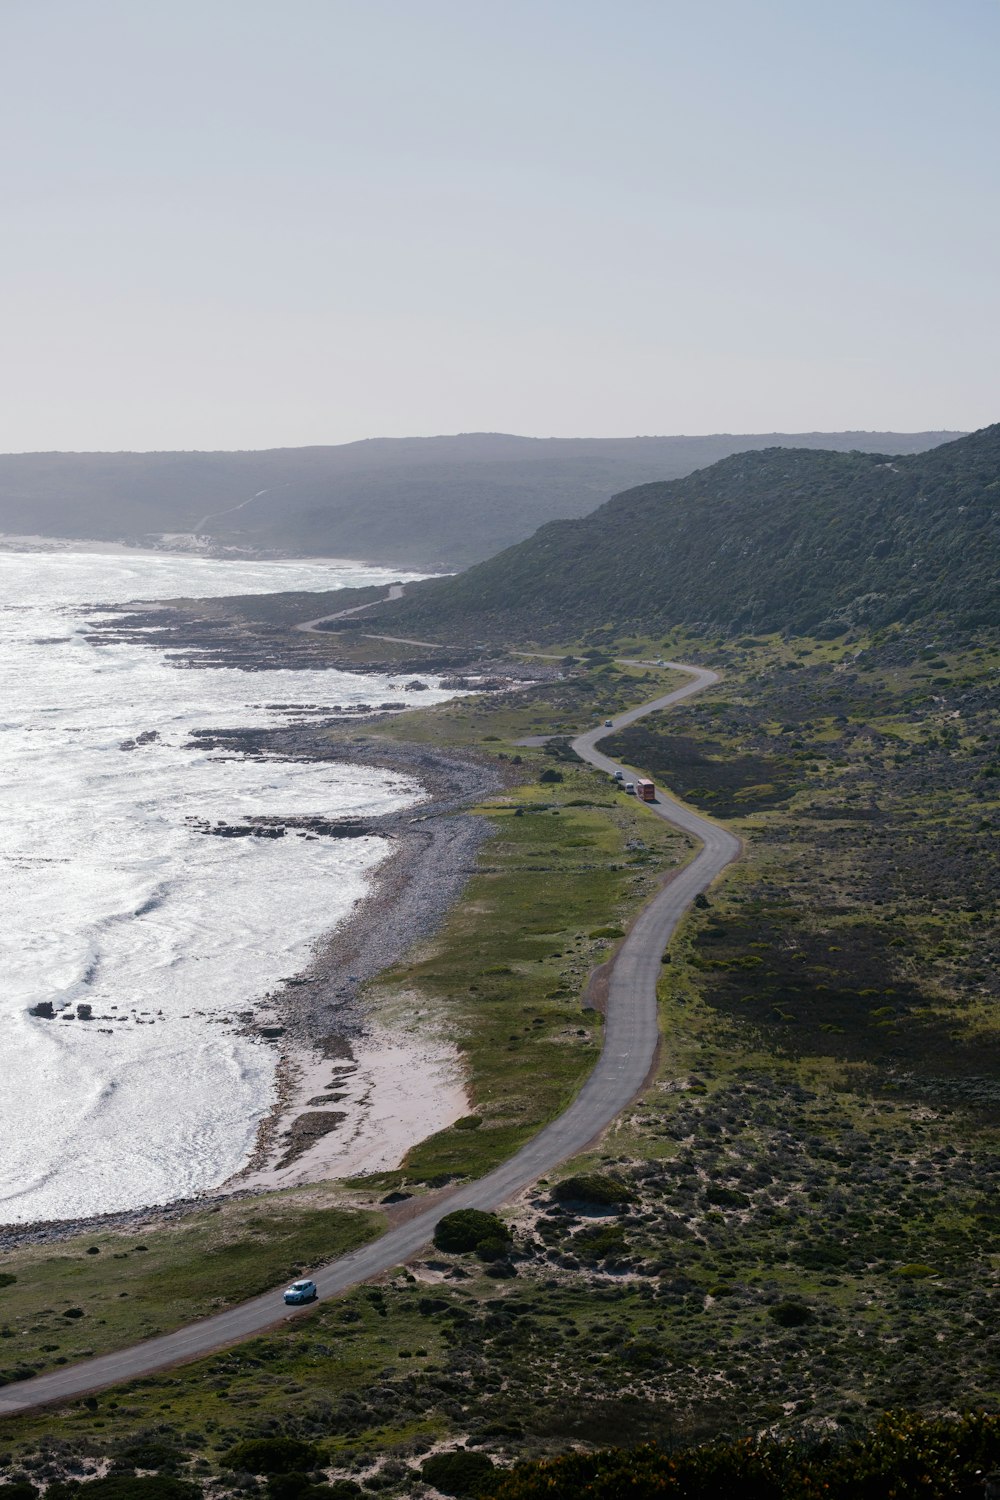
(395, 592)
(630, 1038)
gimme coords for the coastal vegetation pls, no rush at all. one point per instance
(809, 543)
(419, 503)
(106, 1287)
(798, 1212)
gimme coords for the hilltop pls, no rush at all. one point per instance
(434, 503)
(812, 542)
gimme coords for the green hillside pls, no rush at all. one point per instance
(432, 503)
(783, 539)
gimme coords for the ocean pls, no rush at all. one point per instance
(110, 897)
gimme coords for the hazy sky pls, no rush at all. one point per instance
(251, 223)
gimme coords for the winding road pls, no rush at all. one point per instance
(316, 626)
(630, 1040)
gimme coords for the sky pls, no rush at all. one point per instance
(264, 223)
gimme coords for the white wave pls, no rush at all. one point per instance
(111, 898)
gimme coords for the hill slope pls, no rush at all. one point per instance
(776, 540)
(439, 502)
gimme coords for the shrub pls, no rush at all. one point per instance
(6, 1279)
(724, 1197)
(288, 1486)
(128, 1487)
(150, 1453)
(607, 932)
(493, 1248)
(549, 774)
(458, 1473)
(914, 1271)
(466, 1229)
(791, 1314)
(271, 1455)
(904, 1456)
(593, 1187)
(469, 1122)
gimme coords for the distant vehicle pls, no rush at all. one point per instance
(301, 1291)
(645, 789)
(619, 775)
(630, 787)
(660, 662)
(608, 724)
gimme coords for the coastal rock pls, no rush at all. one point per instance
(148, 737)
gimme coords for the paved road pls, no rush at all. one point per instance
(395, 592)
(630, 1037)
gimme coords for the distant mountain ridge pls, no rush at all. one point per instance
(781, 539)
(432, 503)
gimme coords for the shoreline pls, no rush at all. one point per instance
(335, 1050)
(178, 544)
(316, 1020)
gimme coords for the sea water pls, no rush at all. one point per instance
(109, 896)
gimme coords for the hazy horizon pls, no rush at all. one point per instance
(246, 226)
(429, 437)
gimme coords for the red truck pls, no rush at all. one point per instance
(645, 789)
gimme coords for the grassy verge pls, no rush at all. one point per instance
(568, 864)
(102, 1290)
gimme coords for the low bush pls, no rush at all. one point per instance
(458, 1473)
(126, 1487)
(724, 1197)
(598, 1188)
(903, 1456)
(148, 1453)
(493, 1248)
(466, 1229)
(271, 1455)
(791, 1314)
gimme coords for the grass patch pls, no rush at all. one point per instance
(68, 1302)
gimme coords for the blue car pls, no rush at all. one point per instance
(301, 1291)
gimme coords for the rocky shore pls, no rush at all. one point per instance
(335, 1055)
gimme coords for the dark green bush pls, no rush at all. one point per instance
(127, 1487)
(725, 1197)
(466, 1229)
(299, 1486)
(271, 1455)
(6, 1279)
(288, 1486)
(593, 1187)
(907, 1457)
(458, 1473)
(151, 1453)
(493, 1248)
(791, 1314)
(550, 775)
